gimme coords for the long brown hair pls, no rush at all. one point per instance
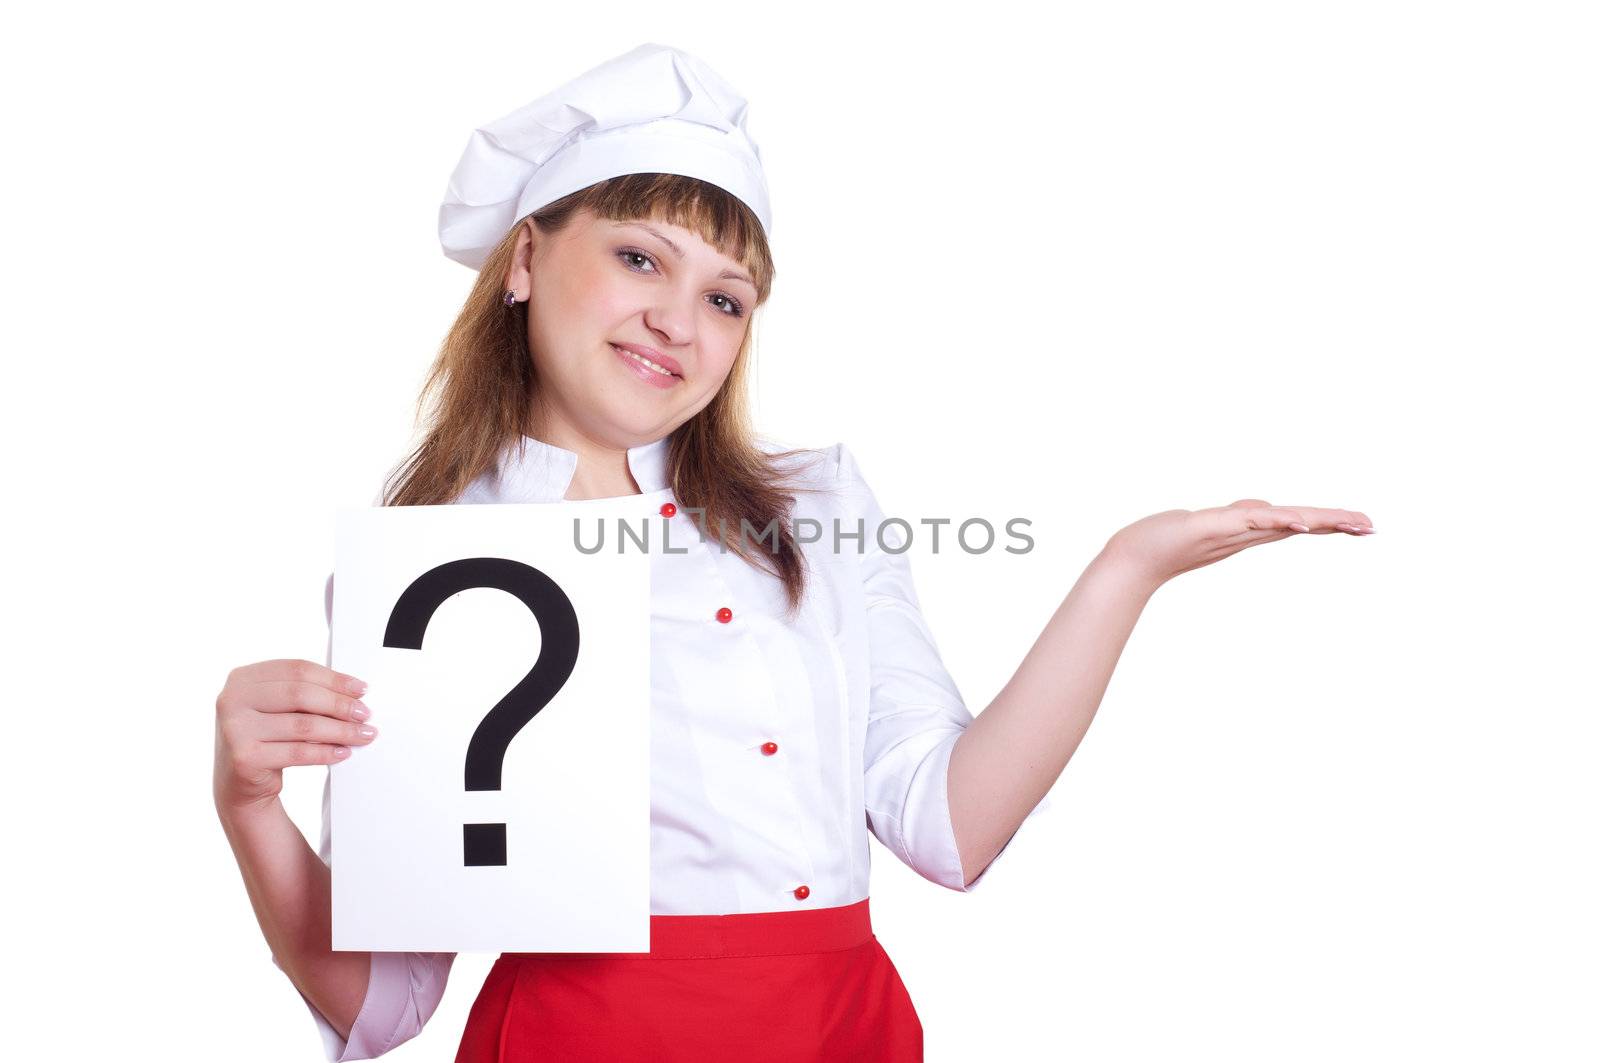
(483, 384)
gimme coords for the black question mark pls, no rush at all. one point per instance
(484, 844)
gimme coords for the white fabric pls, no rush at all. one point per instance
(853, 692)
(655, 109)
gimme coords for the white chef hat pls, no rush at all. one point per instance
(655, 109)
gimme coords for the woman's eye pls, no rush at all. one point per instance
(735, 308)
(628, 255)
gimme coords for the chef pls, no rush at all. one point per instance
(797, 700)
(619, 228)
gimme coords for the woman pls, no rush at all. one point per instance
(620, 229)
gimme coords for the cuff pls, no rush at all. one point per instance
(388, 996)
(948, 872)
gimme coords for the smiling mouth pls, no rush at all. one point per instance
(645, 362)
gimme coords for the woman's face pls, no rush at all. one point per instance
(667, 293)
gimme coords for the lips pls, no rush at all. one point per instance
(669, 364)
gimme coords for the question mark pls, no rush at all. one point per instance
(484, 844)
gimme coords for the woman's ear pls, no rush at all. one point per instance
(519, 276)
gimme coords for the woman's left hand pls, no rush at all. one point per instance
(1168, 544)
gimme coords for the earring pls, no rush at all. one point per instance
(511, 297)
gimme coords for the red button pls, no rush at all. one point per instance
(724, 614)
(668, 509)
(769, 748)
(802, 892)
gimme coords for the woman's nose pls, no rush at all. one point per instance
(670, 322)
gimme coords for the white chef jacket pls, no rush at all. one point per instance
(852, 693)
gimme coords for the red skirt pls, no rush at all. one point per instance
(783, 987)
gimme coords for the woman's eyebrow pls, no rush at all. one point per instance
(729, 274)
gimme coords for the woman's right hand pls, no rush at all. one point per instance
(273, 714)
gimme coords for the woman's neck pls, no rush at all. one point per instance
(602, 474)
(602, 471)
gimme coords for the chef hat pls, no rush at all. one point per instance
(655, 109)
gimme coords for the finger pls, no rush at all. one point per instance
(292, 695)
(280, 755)
(1283, 520)
(1267, 518)
(1227, 522)
(1360, 521)
(303, 671)
(1327, 521)
(309, 727)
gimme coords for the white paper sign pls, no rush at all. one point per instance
(505, 804)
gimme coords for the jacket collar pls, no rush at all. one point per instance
(532, 470)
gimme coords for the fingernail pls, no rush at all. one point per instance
(366, 732)
(360, 711)
(1299, 527)
(360, 688)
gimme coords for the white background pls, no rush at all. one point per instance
(1339, 801)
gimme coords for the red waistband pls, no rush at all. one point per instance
(677, 937)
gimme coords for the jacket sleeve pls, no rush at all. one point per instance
(915, 713)
(404, 988)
